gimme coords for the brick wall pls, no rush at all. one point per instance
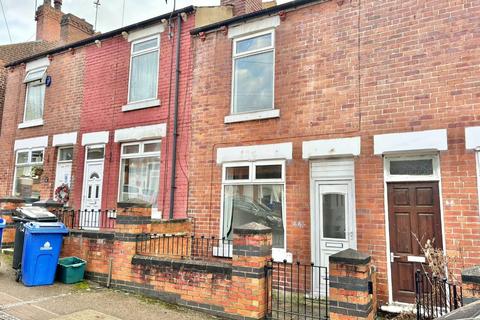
(61, 114)
(106, 90)
(359, 69)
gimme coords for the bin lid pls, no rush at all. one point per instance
(46, 227)
(36, 214)
(3, 223)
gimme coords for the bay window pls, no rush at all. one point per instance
(35, 95)
(140, 172)
(253, 73)
(28, 172)
(144, 63)
(254, 192)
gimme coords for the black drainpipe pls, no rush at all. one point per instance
(175, 120)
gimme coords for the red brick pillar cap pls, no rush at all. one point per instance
(350, 256)
(252, 228)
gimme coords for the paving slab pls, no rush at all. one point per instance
(87, 315)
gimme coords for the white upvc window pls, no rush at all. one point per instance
(28, 172)
(412, 168)
(140, 172)
(63, 173)
(144, 68)
(35, 96)
(253, 73)
(255, 192)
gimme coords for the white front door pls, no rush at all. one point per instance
(334, 223)
(92, 188)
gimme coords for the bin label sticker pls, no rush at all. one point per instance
(46, 246)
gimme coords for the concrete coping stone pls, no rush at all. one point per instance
(133, 204)
(166, 221)
(471, 275)
(252, 228)
(50, 203)
(12, 199)
(350, 256)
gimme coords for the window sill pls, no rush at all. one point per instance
(141, 105)
(29, 124)
(260, 115)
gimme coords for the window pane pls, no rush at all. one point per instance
(412, 167)
(253, 85)
(333, 216)
(65, 154)
(140, 178)
(143, 78)
(37, 156)
(256, 43)
(268, 172)
(254, 203)
(22, 157)
(237, 173)
(95, 153)
(27, 185)
(148, 44)
(151, 147)
(34, 102)
(35, 75)
(133, 148)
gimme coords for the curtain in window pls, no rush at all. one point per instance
(34, 103)
(143, 78)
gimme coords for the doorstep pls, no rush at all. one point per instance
(398, 307)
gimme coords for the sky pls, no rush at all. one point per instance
(20, 14)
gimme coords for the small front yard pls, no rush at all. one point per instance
(83, 301)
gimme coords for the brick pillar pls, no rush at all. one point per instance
(351, 278)
(252, 248)
(7, 207)
(471, 284)
(133, 218)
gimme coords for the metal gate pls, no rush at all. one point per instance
(296, 291)
(435, 297)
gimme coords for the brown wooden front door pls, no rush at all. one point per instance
(414, 212)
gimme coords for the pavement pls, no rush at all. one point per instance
(83, 301)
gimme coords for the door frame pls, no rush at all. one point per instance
(435, 177)
(314, 182)
(84, 181)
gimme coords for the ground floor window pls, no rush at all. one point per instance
(28, 172)
(140, 172)
(254, 192)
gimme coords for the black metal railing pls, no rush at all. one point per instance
(183, 246)
(87, 219)
(435, 296)
(296, 291)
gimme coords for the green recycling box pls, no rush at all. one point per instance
(70, 270)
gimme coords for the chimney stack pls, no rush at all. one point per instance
(55, 26)
(57, 4)
(241, 7)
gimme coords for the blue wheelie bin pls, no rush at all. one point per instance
(3, 224)
(41, 250)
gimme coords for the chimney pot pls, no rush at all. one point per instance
(47, 2)
(57, 4)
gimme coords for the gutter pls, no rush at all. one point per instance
(175, 121)
(265, 12)
(106, 35)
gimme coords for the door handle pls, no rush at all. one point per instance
(393, 256)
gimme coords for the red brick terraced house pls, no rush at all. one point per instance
(40, 103)
(342, 124)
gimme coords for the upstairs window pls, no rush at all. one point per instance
(253, 73)
(144, 62)
(35, 94)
